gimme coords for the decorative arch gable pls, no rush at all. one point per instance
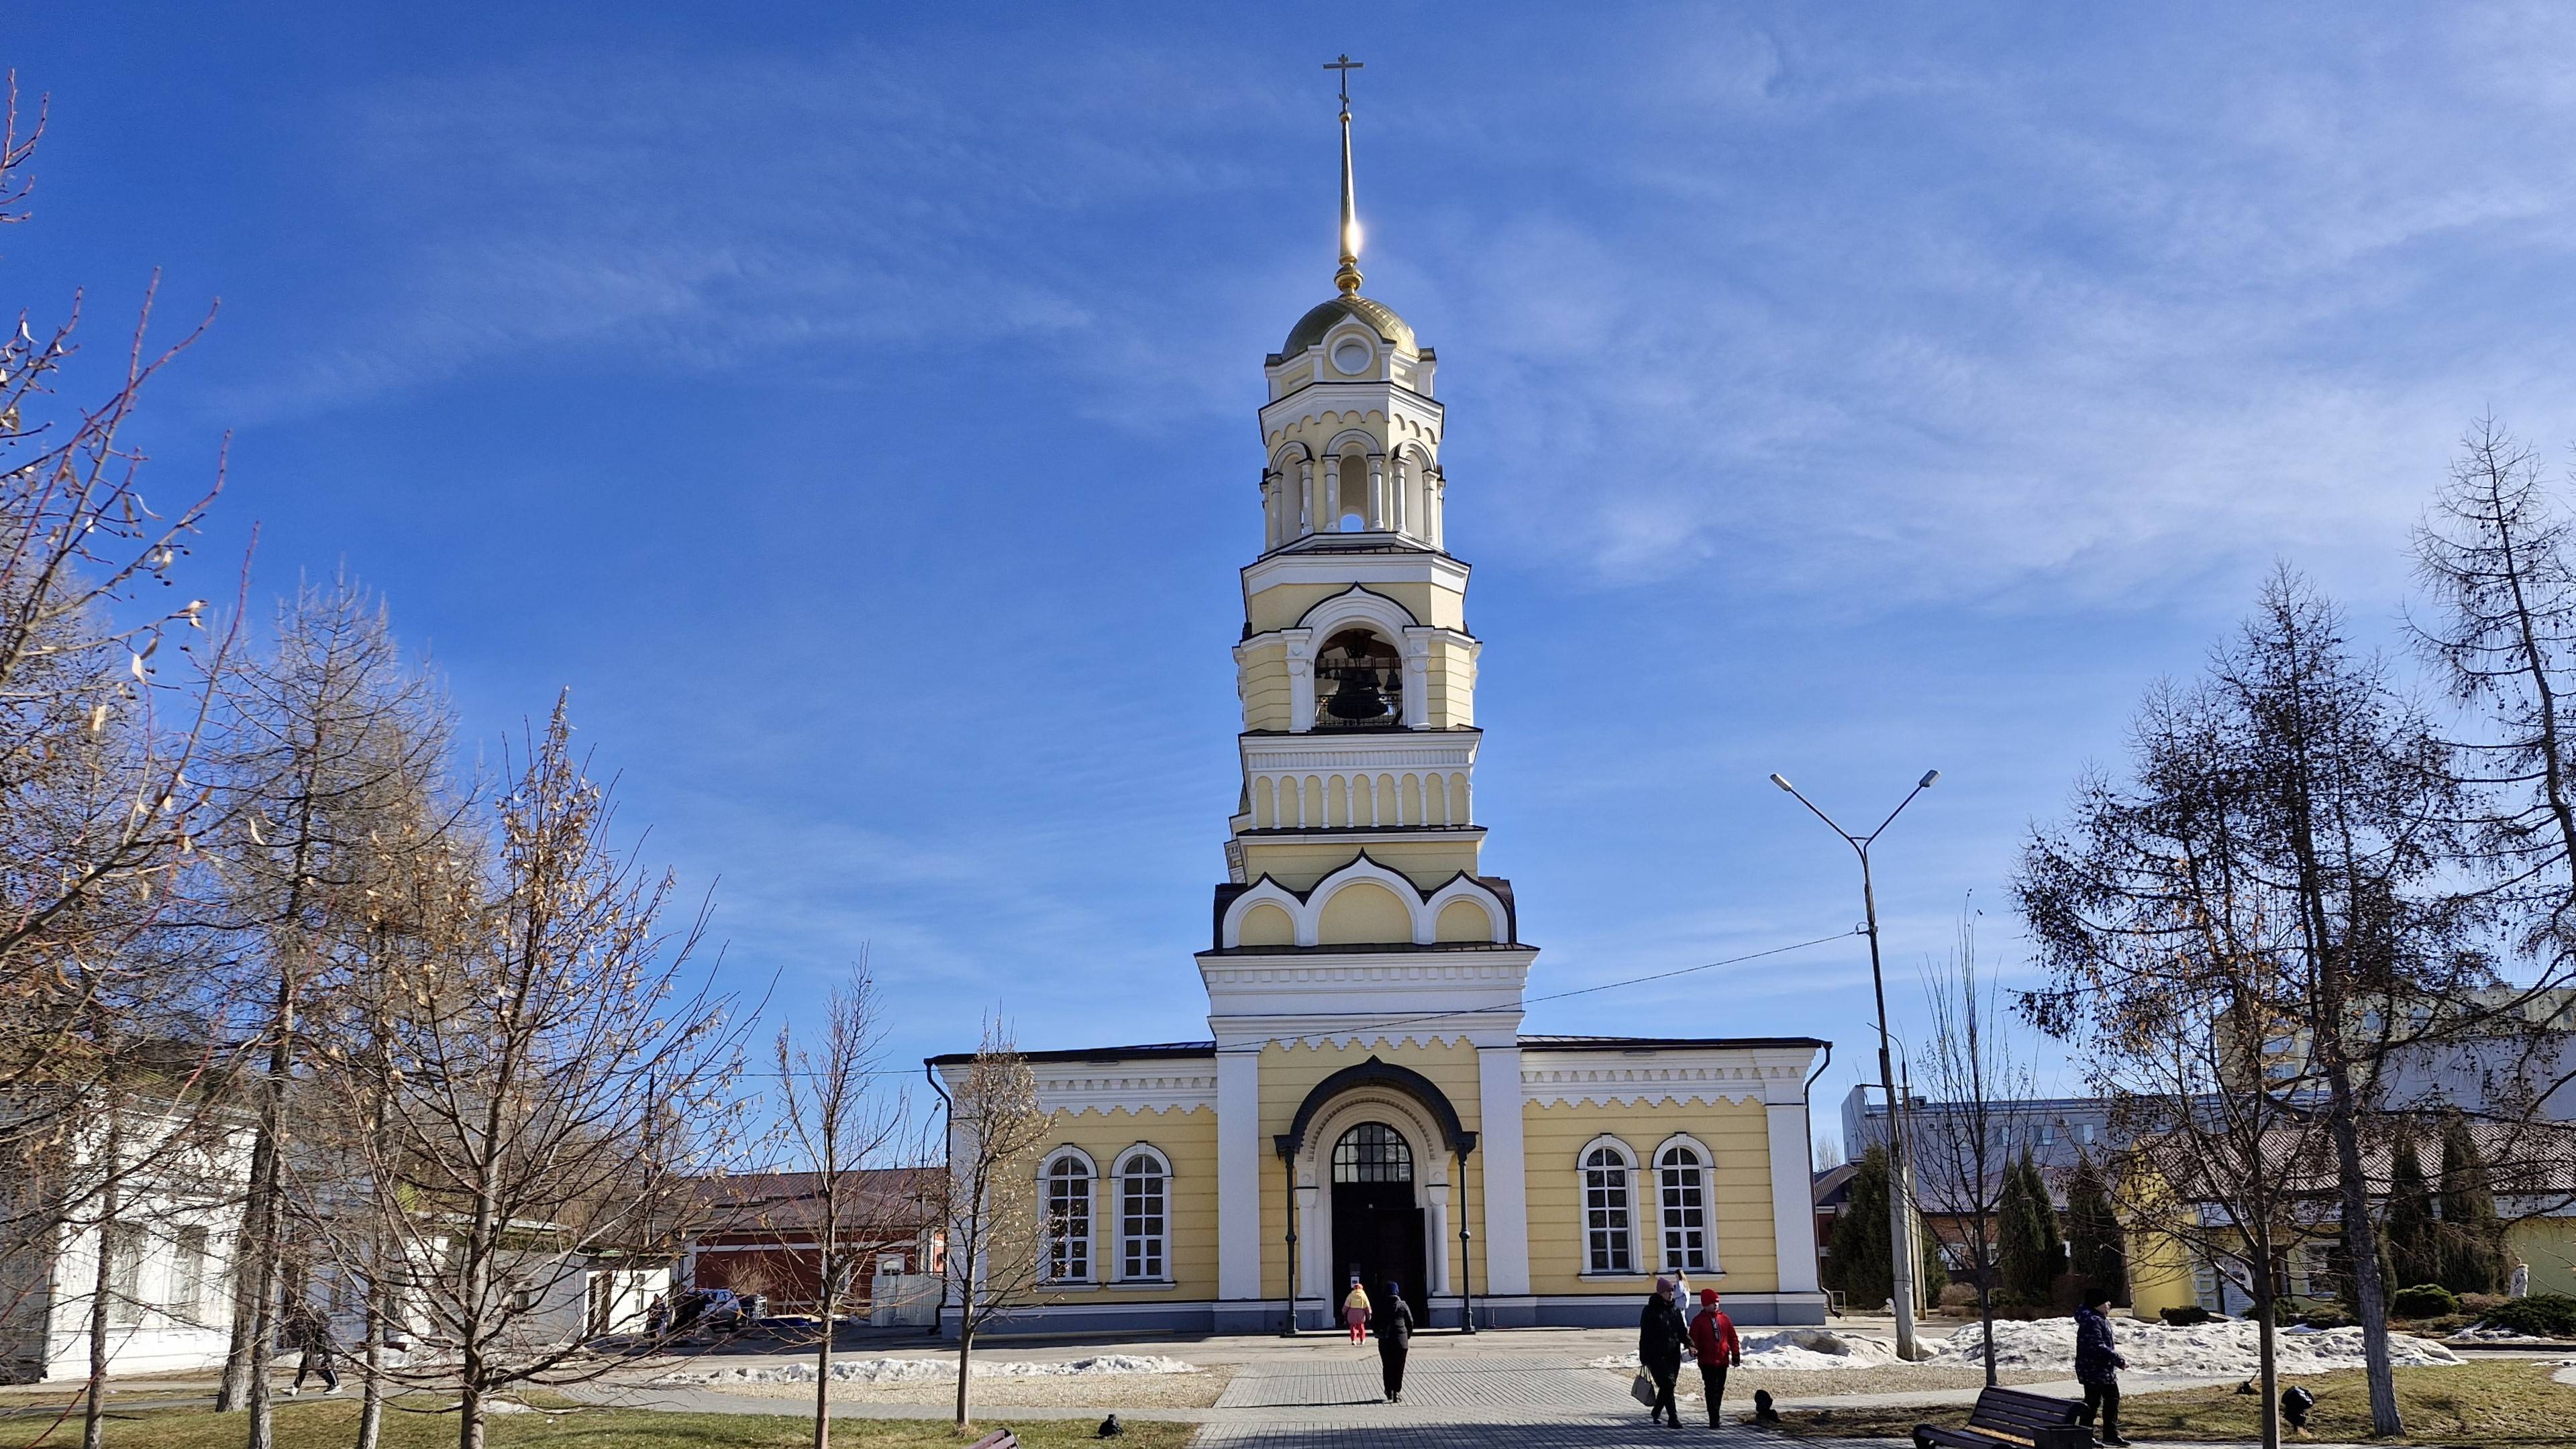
(1377, 1072)
(1357, 605)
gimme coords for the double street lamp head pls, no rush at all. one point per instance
(1923, 784)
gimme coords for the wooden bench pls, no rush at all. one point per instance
(2012, 1419)
(998, 1439)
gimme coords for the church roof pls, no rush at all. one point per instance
(1095, 1054)
(1640, 1043)
(1378, 316)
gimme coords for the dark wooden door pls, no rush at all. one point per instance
(1377, 1234)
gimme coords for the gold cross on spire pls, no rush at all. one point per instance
(1348, 278)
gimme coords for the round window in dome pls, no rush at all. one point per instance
(1351, 355)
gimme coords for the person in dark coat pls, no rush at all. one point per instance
(1713, 1339)
(1661, 1336)
(2097, 1368)
(311, 1332)
(1394, 1325)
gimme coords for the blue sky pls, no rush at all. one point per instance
(853, 407)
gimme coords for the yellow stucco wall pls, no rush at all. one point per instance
(1188, 1139)
(1298, 866)
(1737, 1135)
(1284, 606)
(2549, 1246)
(2159, 1275)
(1288, 1073)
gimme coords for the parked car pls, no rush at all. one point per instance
(717, 1310)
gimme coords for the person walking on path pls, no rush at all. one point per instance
(1661, 1338)
(1394, 1340)
(1713, 1339)
(1355, 1311)
(311, 1332)
(2097, 1367)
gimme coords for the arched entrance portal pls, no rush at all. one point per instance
(1377, 1223)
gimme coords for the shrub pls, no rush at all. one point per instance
(2479, 1305)
(2542, 1315)
(2327, 1318)
(2185, 1317)
(1960, 1295)
(2424, 1300)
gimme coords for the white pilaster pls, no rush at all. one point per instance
(1505, 1200)
(1438, 1193)
(1793, 1203)
(1240, 1160)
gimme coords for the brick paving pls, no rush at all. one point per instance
(1455, 1397)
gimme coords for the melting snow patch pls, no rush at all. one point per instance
(2208, 1350)
(1797, 1349)
(935, 1370)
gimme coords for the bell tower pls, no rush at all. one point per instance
(1356, 671)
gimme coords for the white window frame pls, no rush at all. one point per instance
(1088, 1241)
(1707, 1205)
(1129, 1241)
(1619, 1240)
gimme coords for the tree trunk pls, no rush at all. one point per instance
(1986, 1316)
(2267, 1351)
(469, 1401)
(965, 1366)
(371, 1404)
(823, 1352)
(94, 1409)
(234, 1393)
(2370, 1290)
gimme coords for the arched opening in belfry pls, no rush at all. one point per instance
(1359, 682)
(1355, 503)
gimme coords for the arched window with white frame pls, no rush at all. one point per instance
(1144, 1216)
(1065, 1179)
(1682, 1168)
(1609, 1207)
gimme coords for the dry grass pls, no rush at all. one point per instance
(332, 1425)
(2482, 1402)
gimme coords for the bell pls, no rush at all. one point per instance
(1357, 699)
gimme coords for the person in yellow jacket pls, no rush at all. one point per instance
(1355, 1312)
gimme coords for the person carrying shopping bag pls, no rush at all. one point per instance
(1355, 1311)
(1661, 1339)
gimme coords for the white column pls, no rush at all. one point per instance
(1331, 522)
(1301, 679)
(1306, 495)
(1793, 1203)
(1240, 1161)
(1505, 1199)
(1399, 515)
(1377, 509)
(1438, 1193)
(1315, 1247)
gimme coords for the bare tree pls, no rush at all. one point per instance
(563, 1087)
(997, 1130)
(839, 1126)
(2292, 819)
(330, 739)
(1975, 1078)
(100, 810)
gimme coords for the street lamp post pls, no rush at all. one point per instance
(1900, 1218)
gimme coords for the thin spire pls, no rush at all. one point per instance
(1348, 278)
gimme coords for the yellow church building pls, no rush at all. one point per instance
(1367, 1102)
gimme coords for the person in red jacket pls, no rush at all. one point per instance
(1713, 1341)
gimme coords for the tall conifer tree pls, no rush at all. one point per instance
(2413, 1234)
(2472, 1256)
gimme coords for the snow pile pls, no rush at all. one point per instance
(2207, 1350)
(1798, 1349)
(1816, 1348)
(938, 1370)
